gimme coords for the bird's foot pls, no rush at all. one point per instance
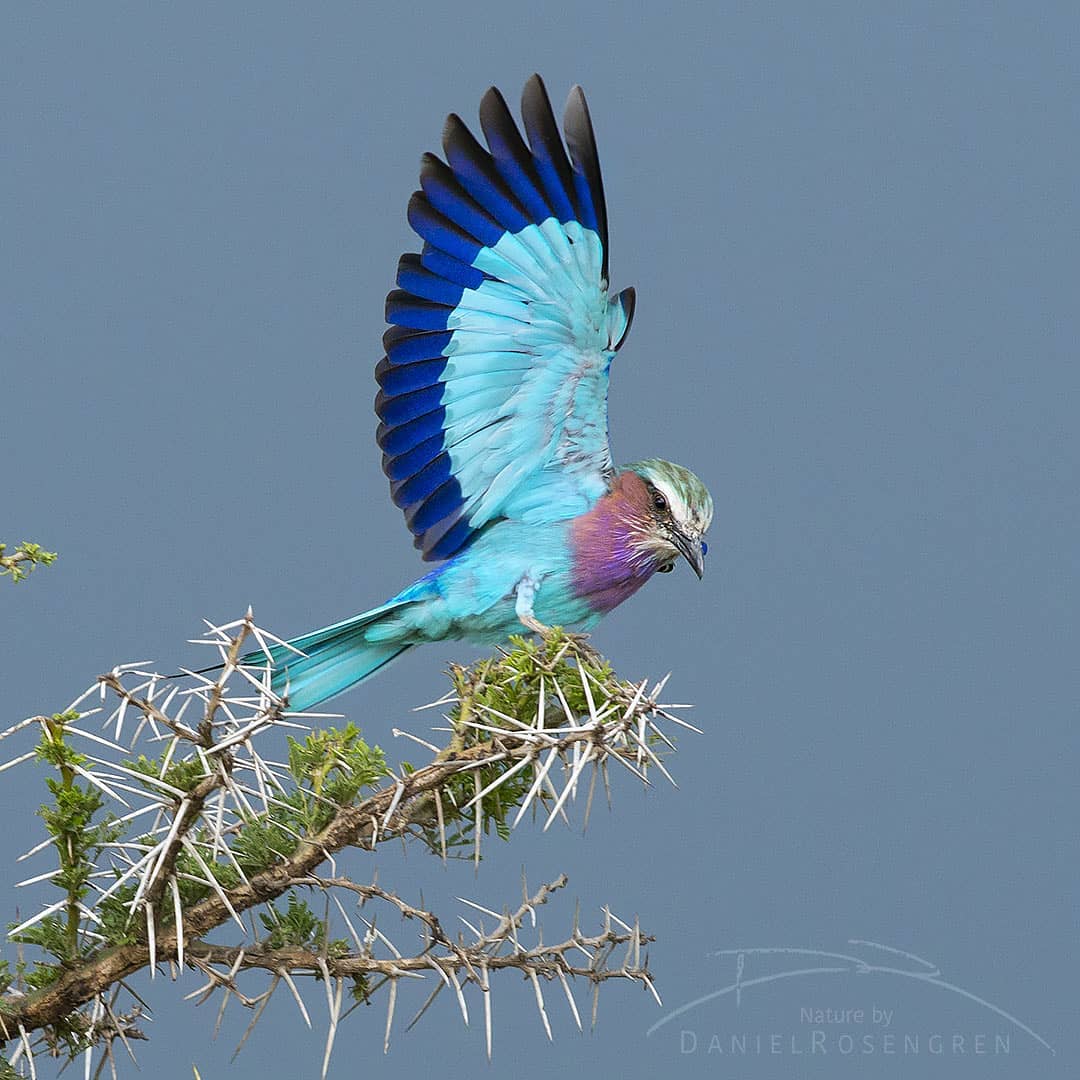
(579, 643)
(531, 622)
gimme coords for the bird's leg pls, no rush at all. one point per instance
(523, 606)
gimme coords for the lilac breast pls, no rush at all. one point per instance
(608, 567)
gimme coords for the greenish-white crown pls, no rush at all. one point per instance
(689, 499)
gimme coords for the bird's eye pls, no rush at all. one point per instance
(704, 548)
(666, 568)
(659, 501)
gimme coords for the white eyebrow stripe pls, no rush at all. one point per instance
(679, 509)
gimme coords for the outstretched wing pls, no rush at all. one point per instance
(493, 390)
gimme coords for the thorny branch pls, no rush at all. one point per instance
(524, 731)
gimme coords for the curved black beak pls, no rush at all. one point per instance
(691, 551)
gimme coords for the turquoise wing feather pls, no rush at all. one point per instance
(493, 390)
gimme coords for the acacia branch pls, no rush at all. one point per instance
(352, 826)
(581, 718)
(464, 958)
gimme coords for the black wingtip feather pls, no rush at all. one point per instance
(581, 141)
(628, 302)
(493, 109)
(501, 130)
(542, 130)
(460, 145)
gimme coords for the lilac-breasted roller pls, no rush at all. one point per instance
(493, 408)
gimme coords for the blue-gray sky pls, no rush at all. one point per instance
(853, 231)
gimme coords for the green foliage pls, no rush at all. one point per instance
(361, 988)
(183, 775)
(23, 560)
(117, 925)
(331, 769)
(511, 683)
(273, 836)
(78, 840)
(50, 935)
(298, 927)
(510, 686)
(336, 765)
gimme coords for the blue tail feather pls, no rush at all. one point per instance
(335, 658)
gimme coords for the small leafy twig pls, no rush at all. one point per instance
(23, 560)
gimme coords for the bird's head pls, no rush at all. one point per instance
(680, 512)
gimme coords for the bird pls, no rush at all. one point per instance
(492, 408)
